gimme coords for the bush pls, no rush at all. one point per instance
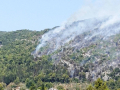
(60, 88)
(1, 86)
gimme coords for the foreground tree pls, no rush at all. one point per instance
(60, 88)
(1, 86)
(99, 85)
(90, 87)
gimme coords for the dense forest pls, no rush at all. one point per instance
(17, 65)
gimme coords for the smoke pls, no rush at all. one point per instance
(100, 14)
(95, 9)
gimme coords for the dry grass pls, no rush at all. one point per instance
(72, 86)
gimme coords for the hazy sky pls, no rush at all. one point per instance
(35, 14)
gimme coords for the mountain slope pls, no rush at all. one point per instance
(81, 56)
(88, 46)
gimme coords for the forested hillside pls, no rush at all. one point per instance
(18, 65)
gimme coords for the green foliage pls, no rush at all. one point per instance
(22, 89)
(90, 87)
(42, 87)
(60, 88)
(114, 73)
(77, 87)
(29, 83)
(8, 37)
(33, 87)
(113, 84)
(17, 81)
(17, 64)
(48, 85)
(1, 86)
(99, 85)
(82, 76)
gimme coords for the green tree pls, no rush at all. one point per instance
(17, 81)
(90, 87)
(42, 87)
(39, 83)
(111, 84)
(82, 76)
(60, 88)
(1, 86)
(48, 85)
(100, 85)
(29, 83)
(65, 78)
(33, 87)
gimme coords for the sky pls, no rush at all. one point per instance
(36, 14)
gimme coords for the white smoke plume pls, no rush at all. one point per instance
(102, 14)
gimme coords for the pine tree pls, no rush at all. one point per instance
(90, 87)
(43, 87)
(100, 85)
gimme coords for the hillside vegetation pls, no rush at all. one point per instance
(17, 64)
